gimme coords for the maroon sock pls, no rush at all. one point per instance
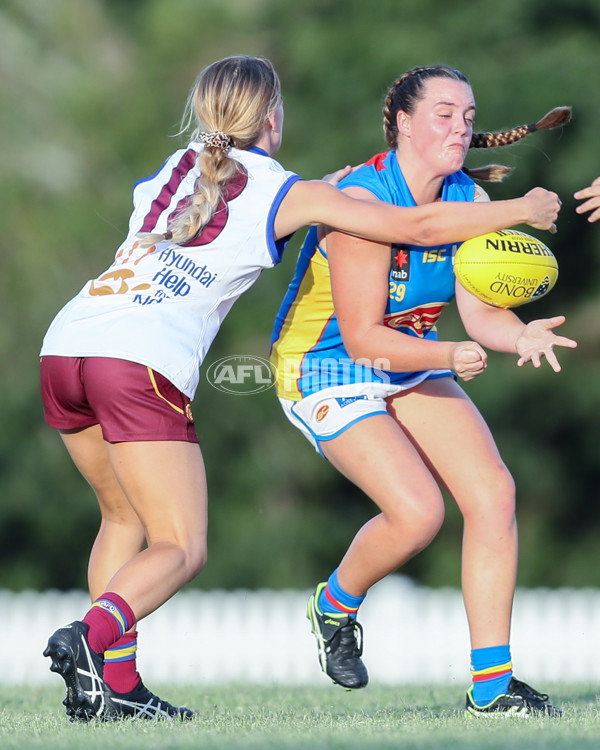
(109, 618)
(120, 668)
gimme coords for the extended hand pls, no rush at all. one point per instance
(336, 177)
(538, 340)
(591, 196)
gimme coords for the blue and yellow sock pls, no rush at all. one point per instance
(334, 600)
(120, 669)
(491, 670)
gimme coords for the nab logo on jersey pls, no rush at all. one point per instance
(400, 263)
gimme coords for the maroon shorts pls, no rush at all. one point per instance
(129, 401)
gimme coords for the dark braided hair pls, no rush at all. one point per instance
(409, 89)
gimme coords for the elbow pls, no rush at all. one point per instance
(473, 330)
(355, 353)
(358, 350)
(360, 342)
(428, 233)
(351, 348)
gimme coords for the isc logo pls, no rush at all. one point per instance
(241, 375)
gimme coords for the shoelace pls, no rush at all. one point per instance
(351, 639)
(525, 691)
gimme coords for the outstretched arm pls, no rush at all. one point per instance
(591, 197)
(502, 331)
(316, 202)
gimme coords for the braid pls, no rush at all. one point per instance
(216, 170)
(494, 172)
(553, 119)
(389, 126)
(229, 105)
(504, 138)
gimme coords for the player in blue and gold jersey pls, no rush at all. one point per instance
(308, 350)
(362, 374)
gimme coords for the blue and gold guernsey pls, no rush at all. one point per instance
(307, 349)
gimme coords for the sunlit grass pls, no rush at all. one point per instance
(285, 718)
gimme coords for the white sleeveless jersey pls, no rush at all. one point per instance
(162, 305)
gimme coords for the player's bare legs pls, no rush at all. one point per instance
(377, 456)
(153, 490)
(453, 437)
(121, 534)
(170, 475)
(394, 466)
(165, 483)
(392, 459)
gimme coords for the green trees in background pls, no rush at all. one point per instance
(92, 94)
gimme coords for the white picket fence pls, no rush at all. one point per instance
(412, 635)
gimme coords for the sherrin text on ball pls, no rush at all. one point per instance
(507, 268)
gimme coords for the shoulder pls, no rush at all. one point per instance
(373, 169)
(372, 176)
(256, 159)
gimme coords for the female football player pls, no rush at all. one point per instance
(363, 375)
(121, 360)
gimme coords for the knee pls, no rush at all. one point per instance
(494, 502)
(430, 519)
(504, 494)
(421, 519)
(184, 558)
(193, 558)
(196, 560)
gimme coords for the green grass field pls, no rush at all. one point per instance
(286, 718)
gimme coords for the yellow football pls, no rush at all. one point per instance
(506, 268)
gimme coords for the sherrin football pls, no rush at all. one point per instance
(506, 268)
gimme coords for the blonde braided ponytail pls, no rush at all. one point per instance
(228, 107)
